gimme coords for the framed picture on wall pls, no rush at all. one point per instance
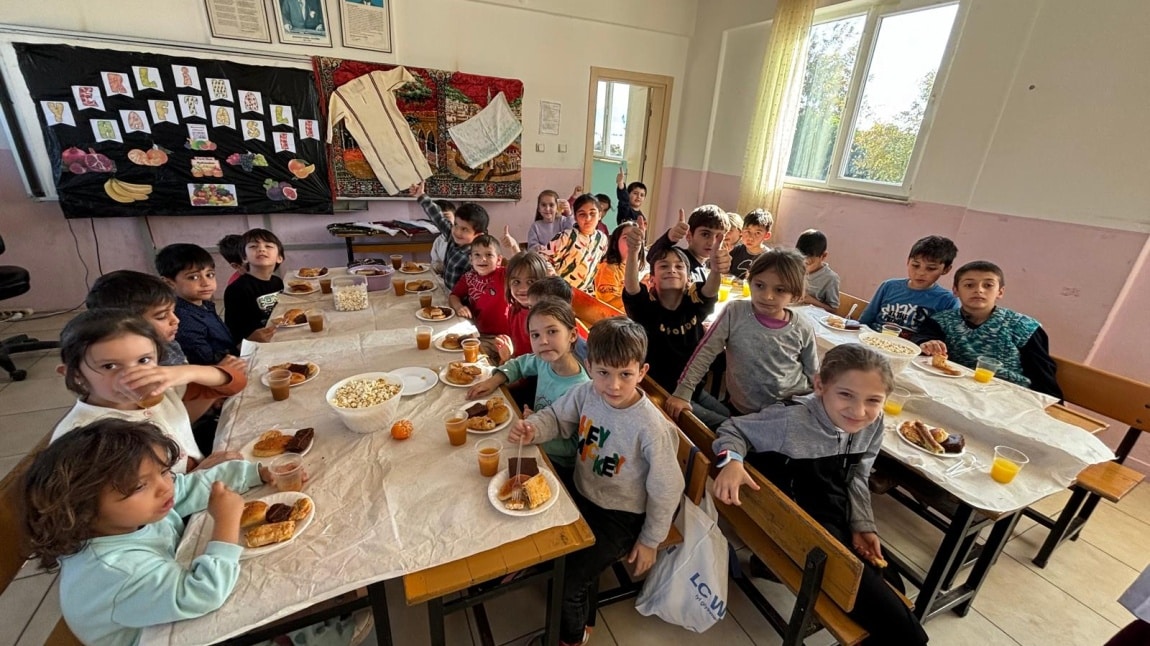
(366, 24)
(302, 22)
(239, 20)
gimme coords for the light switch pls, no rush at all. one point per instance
(562, 148)
(539, 148)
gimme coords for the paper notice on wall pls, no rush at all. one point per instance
(366, 25)
(549, 114)
(239, 20)
(58, 113)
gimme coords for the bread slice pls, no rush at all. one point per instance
(254, 513)
(270, 533)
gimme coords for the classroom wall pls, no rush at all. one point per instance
(1044, 181)
(549, 44)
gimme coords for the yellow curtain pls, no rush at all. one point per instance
(769, 144)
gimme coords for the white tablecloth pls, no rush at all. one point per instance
(431, 508)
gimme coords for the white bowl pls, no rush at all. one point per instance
(899, 360)
(369, 419)
(377, 282)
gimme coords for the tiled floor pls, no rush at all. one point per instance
(1072, 601)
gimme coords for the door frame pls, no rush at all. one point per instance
(658, 121)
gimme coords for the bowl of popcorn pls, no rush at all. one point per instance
(367, 402)
(899, 352)
(349, 293)
(378, 276)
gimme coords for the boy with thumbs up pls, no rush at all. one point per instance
(703, 231)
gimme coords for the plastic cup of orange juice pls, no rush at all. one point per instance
(488, 452)
(894, 401)
(985, 369)
(470, 350)
(456, 424)
(1007, 463)
(423, 337)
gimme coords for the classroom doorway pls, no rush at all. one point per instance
(627, 117)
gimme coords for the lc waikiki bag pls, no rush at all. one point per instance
(688, 584)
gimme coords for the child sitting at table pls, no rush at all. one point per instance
(627, 477)
(524, 269)
(822, 281)
(907, 302)
(439, 245)
(146, 296)
(111, 359)
(231, 248)
(703, 231)
(249, 301)
(202, 334)
(735, 233)
(770, 349)
(480, 294)
(609, 276)
(980, 328)
(672, 309)
(556, 287)
(576, 252)
(630, 198)
(548, 223)
(105, 503)
(553, 362)
(471, 221)
(819, 449)
(755, 232)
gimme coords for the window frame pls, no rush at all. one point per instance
(875, 10)
(606, 124)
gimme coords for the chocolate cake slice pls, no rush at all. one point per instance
(522, 466)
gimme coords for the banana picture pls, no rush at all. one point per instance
(125, 192)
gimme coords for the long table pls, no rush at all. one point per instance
(384, 508)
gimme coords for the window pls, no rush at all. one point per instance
(611, 102)
(868, 81)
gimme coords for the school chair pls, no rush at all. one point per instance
(15, 281)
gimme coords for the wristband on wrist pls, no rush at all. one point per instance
(725, 457)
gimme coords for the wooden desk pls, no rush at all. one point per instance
(418, 243)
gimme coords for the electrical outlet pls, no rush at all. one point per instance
(540, 148)
(562, 148)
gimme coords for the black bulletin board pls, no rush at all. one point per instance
(148, 162)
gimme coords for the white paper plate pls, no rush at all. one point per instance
(945, 456)
(483, 375)
(250, 446)
(287, 291)
(450, 315)
(326, 271)
(416, 379)
(424, 290)
(437, 341)
(423, 269)
(287, 498)
(823, 322)
(275, 321)
(501, 477)
(923, 364)
(498, 427)
(313, 375)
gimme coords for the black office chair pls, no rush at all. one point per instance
(13, 282)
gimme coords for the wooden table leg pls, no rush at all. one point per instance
(377, 593)
(435, 622)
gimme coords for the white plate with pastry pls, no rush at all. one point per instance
(300, 288)
(277, 441)
(429, 314)
(301, 372)
(310, 272)
(456, 374)
(413, 268)
(950, 369)
(419, 286)
(839, 324)
(292, 318)
(533, 489)
(487, 416)
(258, 536)
(416, 379)
(910, 433)
(452, 341)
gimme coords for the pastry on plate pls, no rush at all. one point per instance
(435, 313)
(300, 509)
(481, 423)
(300, 441)
(311, 272)
(939, 362)
(538, 491)
(455, 341)
(270, 533)
(462, 374)
(498, 410)
(254, 514)
(278, 513)
(271, 443)
(411, 266)
(294, 317)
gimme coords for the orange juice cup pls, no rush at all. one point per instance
(423, 337)
(747, 287)
(400, 286)
(985, 368)
(396, 260)
(470, 350)
(325, 285)
(280, 383)
(891, 329)
(424, 301)
(456, 424)
(315, 320)
(724, 292)
(894, 401)
(489, 451)
(1007, 463)
(287, 472)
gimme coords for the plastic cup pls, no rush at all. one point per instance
(423, 337)
(424, 301)
(325, 285)
(894, 401)
(488, 451)
(315, 320)
(396, 261)
(400, 286)
(1007, 463)
(724, 292)
(287, 472)
(470, 350)
(456, 424)
(747, 287)
(280, 383)
(985, 368)
(891, 329)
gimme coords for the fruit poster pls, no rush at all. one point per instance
(133, 134)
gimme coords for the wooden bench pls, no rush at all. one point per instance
(845, 303)
(822, 572)
(1111, 396)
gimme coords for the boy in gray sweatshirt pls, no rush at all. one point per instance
(627, 477)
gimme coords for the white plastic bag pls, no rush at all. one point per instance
(688, 584)
(1136, 599)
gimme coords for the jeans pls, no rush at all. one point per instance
(709, 410)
